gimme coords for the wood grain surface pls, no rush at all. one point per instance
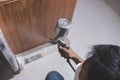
(29, 23)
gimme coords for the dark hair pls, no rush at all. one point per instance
(105, 63)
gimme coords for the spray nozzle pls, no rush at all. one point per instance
(62, 43)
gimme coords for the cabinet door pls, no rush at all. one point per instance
(29, 23)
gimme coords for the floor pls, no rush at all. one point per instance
(94, 22)
(37, 70)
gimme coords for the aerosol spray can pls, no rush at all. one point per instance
(63, 27)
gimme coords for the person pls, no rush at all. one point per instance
(103, 63)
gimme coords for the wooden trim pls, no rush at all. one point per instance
(2, 2)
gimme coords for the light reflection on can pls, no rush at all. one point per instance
(63, 28)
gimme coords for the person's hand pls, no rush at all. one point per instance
(69, 53)
(66, 53)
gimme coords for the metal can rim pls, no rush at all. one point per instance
(64, 23)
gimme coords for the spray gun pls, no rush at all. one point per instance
(63, 44)
(61, 32)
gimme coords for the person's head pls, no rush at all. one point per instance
(103, 65)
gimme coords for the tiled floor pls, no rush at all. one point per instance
(94, 22)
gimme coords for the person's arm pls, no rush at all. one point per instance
(69, 53)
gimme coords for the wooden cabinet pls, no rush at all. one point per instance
(29, 23)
